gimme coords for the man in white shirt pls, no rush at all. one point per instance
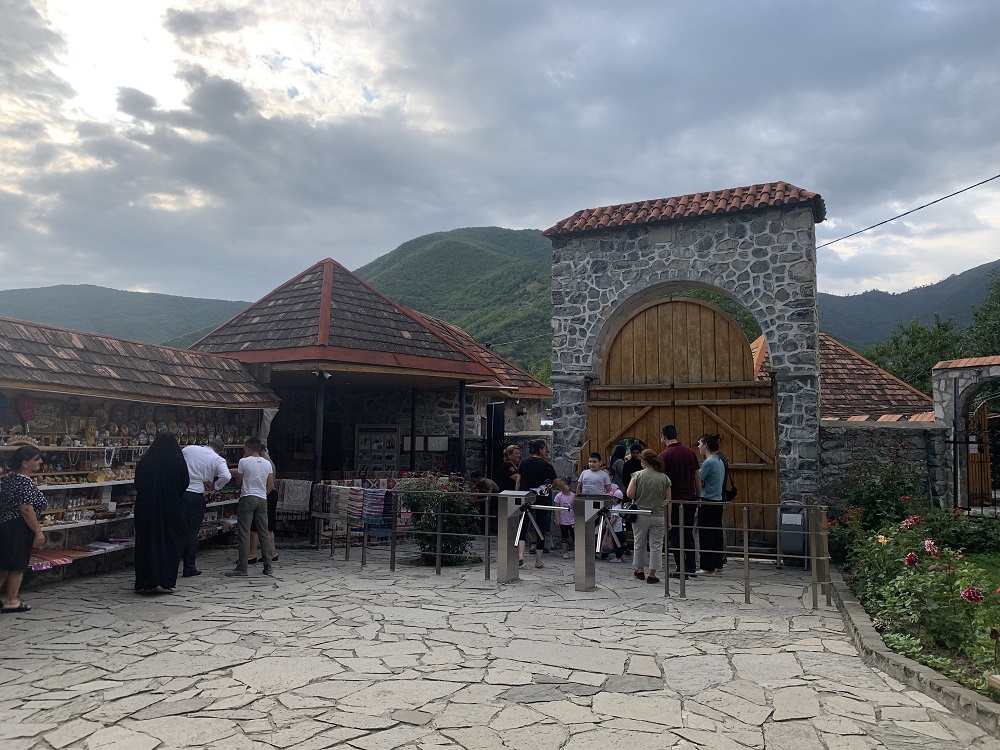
(207, 471)
(255, 475)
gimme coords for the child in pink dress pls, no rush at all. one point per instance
(564, 499)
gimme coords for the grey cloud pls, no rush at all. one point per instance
(199, 23)
(547, 108)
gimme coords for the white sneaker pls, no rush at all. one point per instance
(706, 572)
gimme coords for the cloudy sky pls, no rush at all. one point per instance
(216, 149)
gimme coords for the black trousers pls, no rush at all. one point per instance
(674, 536)
(195, 514)
(710, 534)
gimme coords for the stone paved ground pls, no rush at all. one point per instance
(325, 655)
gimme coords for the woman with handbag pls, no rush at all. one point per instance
(650, 488)
(713, 476)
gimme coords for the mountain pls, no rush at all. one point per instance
(137, 316)
(860, 320)
(493, 283)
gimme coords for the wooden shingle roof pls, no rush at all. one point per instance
(508, 376)
(327, 314)
(40, 357)
(855, 389)
(715, 202)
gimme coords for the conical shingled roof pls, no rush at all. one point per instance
(328, 314)
(855, 389)
(509, 377)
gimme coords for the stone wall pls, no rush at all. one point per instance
(766, 260)
(922, 444)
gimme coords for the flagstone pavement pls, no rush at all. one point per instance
(326, 654)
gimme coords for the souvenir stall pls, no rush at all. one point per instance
(92, 405)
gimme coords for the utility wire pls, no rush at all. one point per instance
(517, 341)
(912, 210)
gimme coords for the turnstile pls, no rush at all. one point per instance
(514, 512)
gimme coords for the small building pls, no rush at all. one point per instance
(370, 387)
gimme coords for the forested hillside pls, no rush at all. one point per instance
(493, 283)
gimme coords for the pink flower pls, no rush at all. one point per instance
(911, 559)
(931, 548)
(973, 595)
(912, 522)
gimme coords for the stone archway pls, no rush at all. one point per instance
(955, 384)
(755, 245)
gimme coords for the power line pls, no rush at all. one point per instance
(518, 341)
(912, 210)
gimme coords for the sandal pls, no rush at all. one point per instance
(639, 574)
(21, 607)
(539, 565)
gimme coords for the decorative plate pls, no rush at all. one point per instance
(199, 416)
(183, 440)
(201, 429)
(182, 428)
(173, 427)
(135, 411)
(112, 428)
(73, 405)
(133, 428)
(119, 413)
(143, 440)
(151, 427)
(227, 438)
(160, 414)
(101, 417)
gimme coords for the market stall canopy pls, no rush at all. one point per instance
(327, 318)
(854, 389)
(508, 378)
(43, 358)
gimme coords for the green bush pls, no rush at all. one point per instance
(422, 495)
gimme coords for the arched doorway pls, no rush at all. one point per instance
(686, 362)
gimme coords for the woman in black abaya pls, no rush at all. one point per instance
(161, 476)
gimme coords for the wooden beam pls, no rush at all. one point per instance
(742, 384)
(692, 402)
(626, 427)
(732, 431)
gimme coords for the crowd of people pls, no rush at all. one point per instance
(171, 485)
(680, 493)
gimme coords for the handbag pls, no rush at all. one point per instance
(629, 517)
(728, 493)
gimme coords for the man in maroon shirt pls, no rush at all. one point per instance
(681, 465)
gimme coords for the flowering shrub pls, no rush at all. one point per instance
(421, 495)
(925, 597)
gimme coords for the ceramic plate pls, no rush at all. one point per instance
(173, 427)
(112, 428)
(133, 428)
(150, 427)
(101, 417)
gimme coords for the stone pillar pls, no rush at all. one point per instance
(569, 421)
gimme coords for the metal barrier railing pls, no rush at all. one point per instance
(504, 525)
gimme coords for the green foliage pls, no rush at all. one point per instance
(423, 496)
(930, 597)
(912, 351)
(872, 316)
(982, 339)
(881, 487)
(495, 284)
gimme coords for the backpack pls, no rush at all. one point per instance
(728, 492)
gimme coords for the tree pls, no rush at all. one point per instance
(982, 337)
(913, 350)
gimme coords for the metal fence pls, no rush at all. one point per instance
(415, 537)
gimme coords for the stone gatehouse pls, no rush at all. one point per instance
(755, 245)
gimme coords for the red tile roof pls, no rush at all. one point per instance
(854, 389)
(729, 201)
(957, 364)
(327, 314)
(509, 377)
(40, 357)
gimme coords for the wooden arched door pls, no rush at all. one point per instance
(685, 362)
